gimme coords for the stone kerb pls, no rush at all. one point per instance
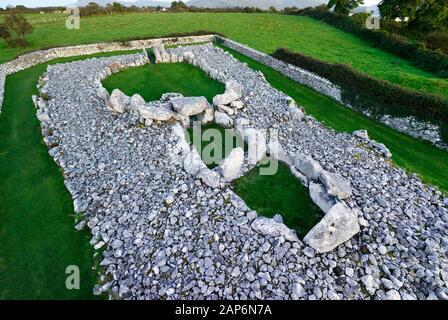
(295, 73)
(29, 60)
(340, 223)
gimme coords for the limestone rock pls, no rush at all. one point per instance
(272, 228)
(320, 196)
(137, 102)
(193, 163)
(225, 98)
(114, 67)
(234, 86)
(233, 92)
(42, 116)
(237, 104)
(118, 101)
(188, 56)
(231, 166)
(155, 112)
(210, 178)
(103, 94)
(276, 152)
(361, 134)
(225, 109)
(223, 120)
(336, 185)
(256, 141)
(308, 166)
(208, 115)
(184, 120)
(189, 106)
(339, 225)
(382, 148)
(170, 95)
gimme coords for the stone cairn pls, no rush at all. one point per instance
(326, 189)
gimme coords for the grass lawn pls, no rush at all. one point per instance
(281, 193)
(37, 236)
(153, 80)
(418, 156)
(265, 32)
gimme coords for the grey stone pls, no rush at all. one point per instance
(155, 112)
(189, 106)
(308, 166)
(336, 185)
(210, 178)
(117, 101)
(320, 197)
(272, 228)
(339, 225)
(230, 167)
(193, 163)
(223, 120)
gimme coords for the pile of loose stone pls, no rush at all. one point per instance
(168, 232)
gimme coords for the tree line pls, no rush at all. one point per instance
(419, 15)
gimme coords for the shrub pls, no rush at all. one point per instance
(444, 132)
(366, 93)
(416, 53)
(437, 41)
(14, 30)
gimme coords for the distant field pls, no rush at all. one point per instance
(265, 32)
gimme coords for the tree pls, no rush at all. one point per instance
(421, 15)
(20, 9)
(14, 30)
(344, 6)
(178, 6)
(5, 35)
(93, 8)
(118, 7)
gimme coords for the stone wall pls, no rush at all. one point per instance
(297, 74)
(34, 58)
(411, 126)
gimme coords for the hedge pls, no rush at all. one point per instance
(378, 96)
(416, 53)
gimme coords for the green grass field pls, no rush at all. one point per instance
(151, 81)
(37, 236)
(281, 193)
(265, 32)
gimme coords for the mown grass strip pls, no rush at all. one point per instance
(153, 80)
(37, 236)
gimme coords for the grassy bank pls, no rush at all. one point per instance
(265, 32)
(37, 236)
(428, 161)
